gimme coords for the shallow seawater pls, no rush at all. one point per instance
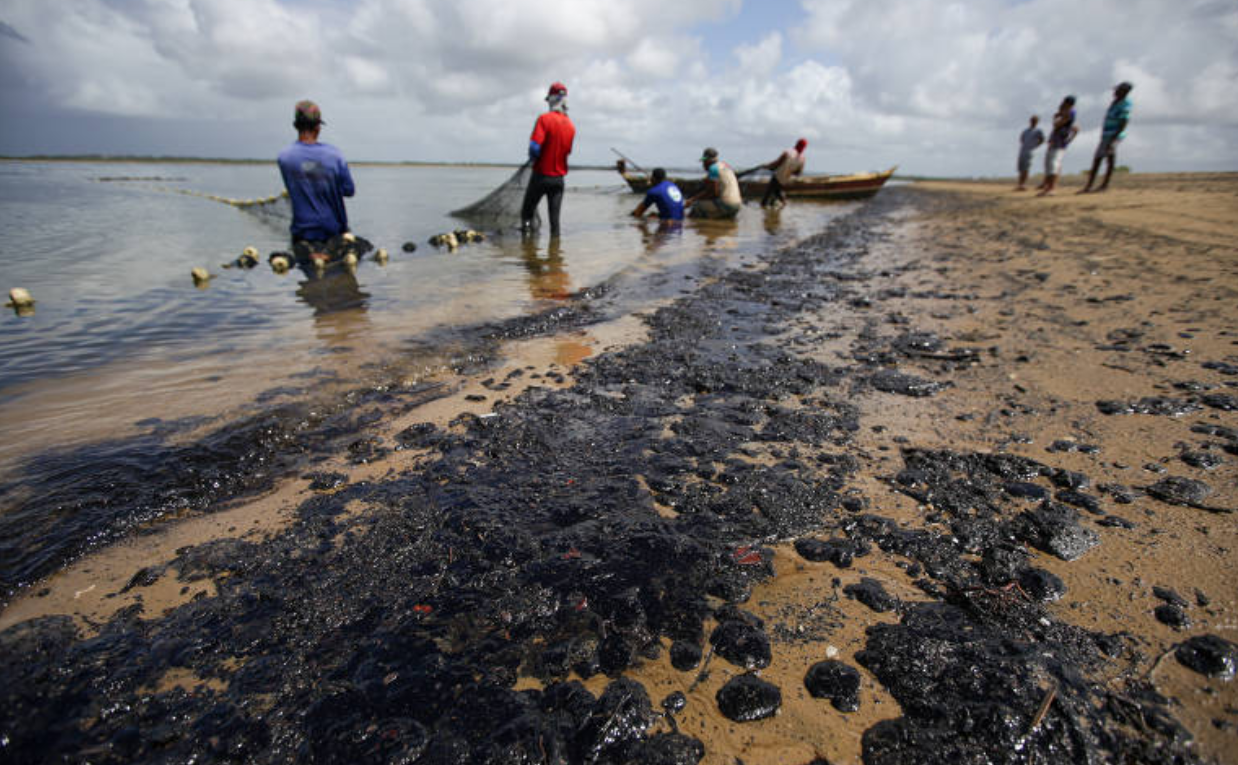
(122, 343)
(121, 334)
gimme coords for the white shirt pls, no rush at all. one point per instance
(792, 164)
(728, 186)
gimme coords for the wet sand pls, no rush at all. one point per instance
(1040, 283)
(1039, 309)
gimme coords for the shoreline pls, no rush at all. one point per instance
(787, 401)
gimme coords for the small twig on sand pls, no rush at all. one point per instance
(1156, 664)
(1037, 719)
(704, 673)
(609, 722)
(1042, 711)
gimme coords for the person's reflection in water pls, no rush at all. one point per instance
(339, 305)
(714, 229)
(656, 233)
(547, 278)
(773, 219)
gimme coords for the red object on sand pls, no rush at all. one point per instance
(745, 555)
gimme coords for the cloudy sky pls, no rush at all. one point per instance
(936, 87)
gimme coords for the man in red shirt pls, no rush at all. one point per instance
(549, 146)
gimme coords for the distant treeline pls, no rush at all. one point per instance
(119, 158)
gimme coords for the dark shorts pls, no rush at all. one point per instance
(334, 248)
(1108, 147)
(714, 208)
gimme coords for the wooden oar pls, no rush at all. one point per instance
(635, 166)
(749, 171)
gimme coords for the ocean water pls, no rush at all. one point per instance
(120, 335)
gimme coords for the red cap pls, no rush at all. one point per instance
(801, 144)
(557, 89)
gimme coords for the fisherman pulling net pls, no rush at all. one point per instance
(515, 202)
(500, 208)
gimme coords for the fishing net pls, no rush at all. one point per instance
(501, 208)
(275, 209)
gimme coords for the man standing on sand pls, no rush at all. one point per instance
(317, 179)
(720, 197)
(1113, 131)
(1064, 131)
(1029, 140)
(788, 165)
(665, 195)
(551, 142)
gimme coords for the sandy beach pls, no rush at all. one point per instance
(977, 446)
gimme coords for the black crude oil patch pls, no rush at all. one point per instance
(970, 683)
(871, 593)
(1041, 585)
(746, 697)
(743, 642)
(841, 552)
(890, 381)
(970, 672)
(1209, 655)
(1172, 616)
(835, 681)
(68, 502)
(1176, 490)
(1156, 405)
(524, 544)
(1055, 529)
(537, 542)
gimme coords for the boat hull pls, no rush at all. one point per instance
(855, 186)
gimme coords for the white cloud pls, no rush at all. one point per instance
(367, 76)
(652, 58)
(1213, 91)
(759, 60)
(938, 87)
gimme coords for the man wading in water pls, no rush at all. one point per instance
(720, 196)
(317, 179)
(549, 146)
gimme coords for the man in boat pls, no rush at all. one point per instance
(317, 179)
(1112, 131)
(788, 165)
(720, 197)
(664, 195)
(551, 142)
(1029, 140)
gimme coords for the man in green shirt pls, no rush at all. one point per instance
(1112, 132)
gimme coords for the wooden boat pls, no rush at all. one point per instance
(854, 186)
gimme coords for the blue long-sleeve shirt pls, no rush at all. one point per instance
(317, 179)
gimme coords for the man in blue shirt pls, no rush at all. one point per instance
(665, 195)
(1113, 131)
(317, 179)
